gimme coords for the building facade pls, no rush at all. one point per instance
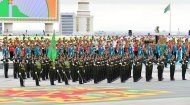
(67, 23)
(84, 20)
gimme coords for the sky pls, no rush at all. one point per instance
(124, 15)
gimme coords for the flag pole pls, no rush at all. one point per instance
(170, 24)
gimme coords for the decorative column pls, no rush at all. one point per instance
(10, 7)
(84, 19)
(48, 28)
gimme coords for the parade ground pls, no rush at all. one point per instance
(53, 43)
(140, 93)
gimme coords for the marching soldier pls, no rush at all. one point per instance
(44, 69)
(95, 70)
(56, 69)
(74, 69)
(160, 67)
(111, 63)
(47, 70)
(52, 72)
(172, 67)
(91, 66)
(140, 60)
(149, 66)
(184, 63)
(85, 66)
(6, 67)
(137, 70)
(22, 70)
(60, 70)
(123, 70)
(81, 71)
(38, 68)
(66, 71)
(16, 68)
(33, 68)
(28, 68)
(130, 66)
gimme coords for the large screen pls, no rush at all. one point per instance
(46, 9)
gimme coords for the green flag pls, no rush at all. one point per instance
(52, 49)
(37, 63)
(167, 9)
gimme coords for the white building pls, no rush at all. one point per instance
(67, 23)
(84, 21)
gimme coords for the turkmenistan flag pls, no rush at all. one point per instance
(167, 9)
(52, 52)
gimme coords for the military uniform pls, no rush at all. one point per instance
(140, 68)
(184, 68)
(74, 69)
(149, 67)
(66, 72)
(22, 70)
(130, 67)
(81, 72)
(104, 69)
(38, 69)
(95, 70)
(16, 68)
(60, 71)
(52, 72)
(123, 71)
(44, 69)
(47, 70)
(33, 68)
(91, 69)
(87, 70)
(137, 71)
(56, 70)
(172, 69)
(28, 68)
(113, 71)
(160, 68)
(6, 67)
